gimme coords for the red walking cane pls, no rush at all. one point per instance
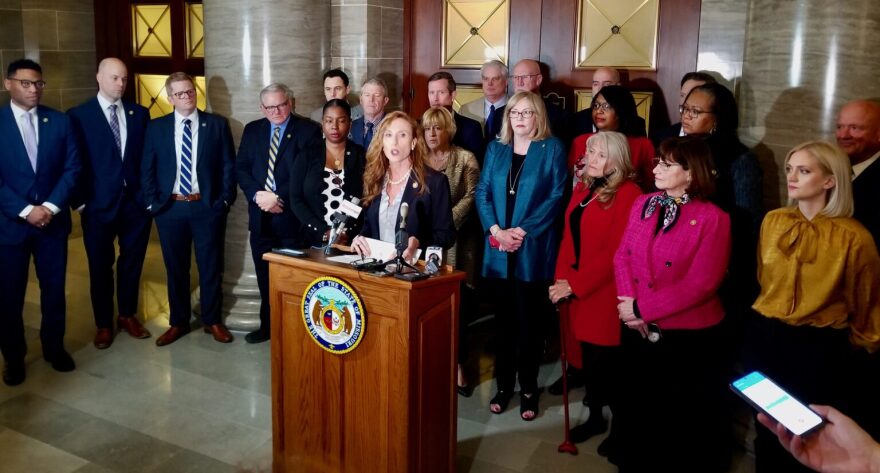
(567, 446)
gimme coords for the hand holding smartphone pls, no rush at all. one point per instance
(765, 395)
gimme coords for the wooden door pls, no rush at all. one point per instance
(546, 30)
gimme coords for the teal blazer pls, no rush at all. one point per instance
(538, 205)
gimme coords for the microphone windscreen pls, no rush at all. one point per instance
(404, 210)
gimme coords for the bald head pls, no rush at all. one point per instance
(112, 78)
(527, 76)
(604, 76)
(858, 129)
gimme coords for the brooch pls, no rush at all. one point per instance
(693, 222)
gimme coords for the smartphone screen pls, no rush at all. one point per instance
(766, 395)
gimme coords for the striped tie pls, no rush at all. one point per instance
(273, 152)
(114, 127)
(186, 159)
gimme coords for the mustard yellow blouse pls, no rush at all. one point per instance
(822, 273)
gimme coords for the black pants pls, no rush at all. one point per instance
(815, 365)
(672, 415)
(519, 319)
(601, 365)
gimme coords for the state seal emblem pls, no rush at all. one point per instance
(333, 315)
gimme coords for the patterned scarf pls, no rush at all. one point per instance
(670, 206)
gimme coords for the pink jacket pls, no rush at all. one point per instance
(674, 276)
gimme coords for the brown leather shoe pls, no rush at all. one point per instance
(103, 338)
(133, 327)
(171, 335)
(220, 332)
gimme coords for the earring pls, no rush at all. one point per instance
(714, 128)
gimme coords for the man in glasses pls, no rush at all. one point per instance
(527, 76)
(39, 166)
(109, 199)
(188, 180)
(269, 147)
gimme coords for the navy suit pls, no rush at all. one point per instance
(469, 135)
(58, 165)
(110, 188)
(430, 214)
(357, 131)
(184, 224)
(268, 230)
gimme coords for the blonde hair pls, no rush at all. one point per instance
(440, 116)
(178, 77)
(542, 128)
(617, 149)
(835, 163)
(377, 162)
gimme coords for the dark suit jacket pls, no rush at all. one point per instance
(104, 172)
(430, 214)
(215, 157)
(252, 166)
(469, 135)
(556, 117)
(866, 193)
(357, 131)
(58, 167)
(307, 185)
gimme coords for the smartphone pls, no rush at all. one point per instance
(765, 395)
(289, 252)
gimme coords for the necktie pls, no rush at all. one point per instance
(489, 124)
(114, 127)
(368, 137)
(30, 139)
(186, 159)
(273, 153)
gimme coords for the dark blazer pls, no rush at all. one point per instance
(58, 167)
(104, 173)
(866, 193)
(557, 119)
(307, 185)
(538, 204)
(469, 135)
(215, 157)
(430, 214)
(252, 166)
(356, 133)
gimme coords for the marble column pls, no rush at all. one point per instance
(249, 45)
(803, 60)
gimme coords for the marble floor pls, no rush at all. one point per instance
(201, 406)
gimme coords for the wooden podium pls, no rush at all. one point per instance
(390, 404)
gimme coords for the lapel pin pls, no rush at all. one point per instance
(288, 136)
(693, 222)
(45, 120)
(204, 124)
(131, 112)
(348, 153)
(415, 185)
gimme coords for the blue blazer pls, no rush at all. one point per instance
(252, 166)
(58, 167)
(215, 157)
(104, 173)
(538, 205)
(430, 214)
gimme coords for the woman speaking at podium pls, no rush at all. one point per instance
(396, 174)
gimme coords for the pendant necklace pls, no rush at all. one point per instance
(512, 185)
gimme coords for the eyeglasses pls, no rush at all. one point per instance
(604, 106)
(514, 114)
(275, 108)
(691, 112)
(524, 77)
(39, 84)
(185, 93)
(664, 166)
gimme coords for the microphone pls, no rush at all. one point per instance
(404, 211)
(340, 219)
(402, 237)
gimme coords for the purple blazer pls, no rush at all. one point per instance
(674, 276)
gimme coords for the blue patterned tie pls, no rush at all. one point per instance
(186, 159)
(114, 126)
(489, 124)
(368, 138)
(273, 153)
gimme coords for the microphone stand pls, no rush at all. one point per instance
(401, 241)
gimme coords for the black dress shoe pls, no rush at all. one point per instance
(465, 391)
(13, 373)
(258, 336)
(588, 429)
(61, 361)
(575, 380)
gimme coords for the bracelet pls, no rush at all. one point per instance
(497, 229)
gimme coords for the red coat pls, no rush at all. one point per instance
(640, 148)
(593, 308)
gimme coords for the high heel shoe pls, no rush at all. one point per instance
(501, 399)
(528, 403)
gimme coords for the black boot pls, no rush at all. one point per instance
(595, 425)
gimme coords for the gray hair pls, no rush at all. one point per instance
(277, 87)
(495, 63)
(378, 83)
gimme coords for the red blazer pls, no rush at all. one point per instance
(640, 148)
(593, 308)
(675, 275)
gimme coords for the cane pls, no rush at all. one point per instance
(567, 446)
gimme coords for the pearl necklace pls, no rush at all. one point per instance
(394, 183)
